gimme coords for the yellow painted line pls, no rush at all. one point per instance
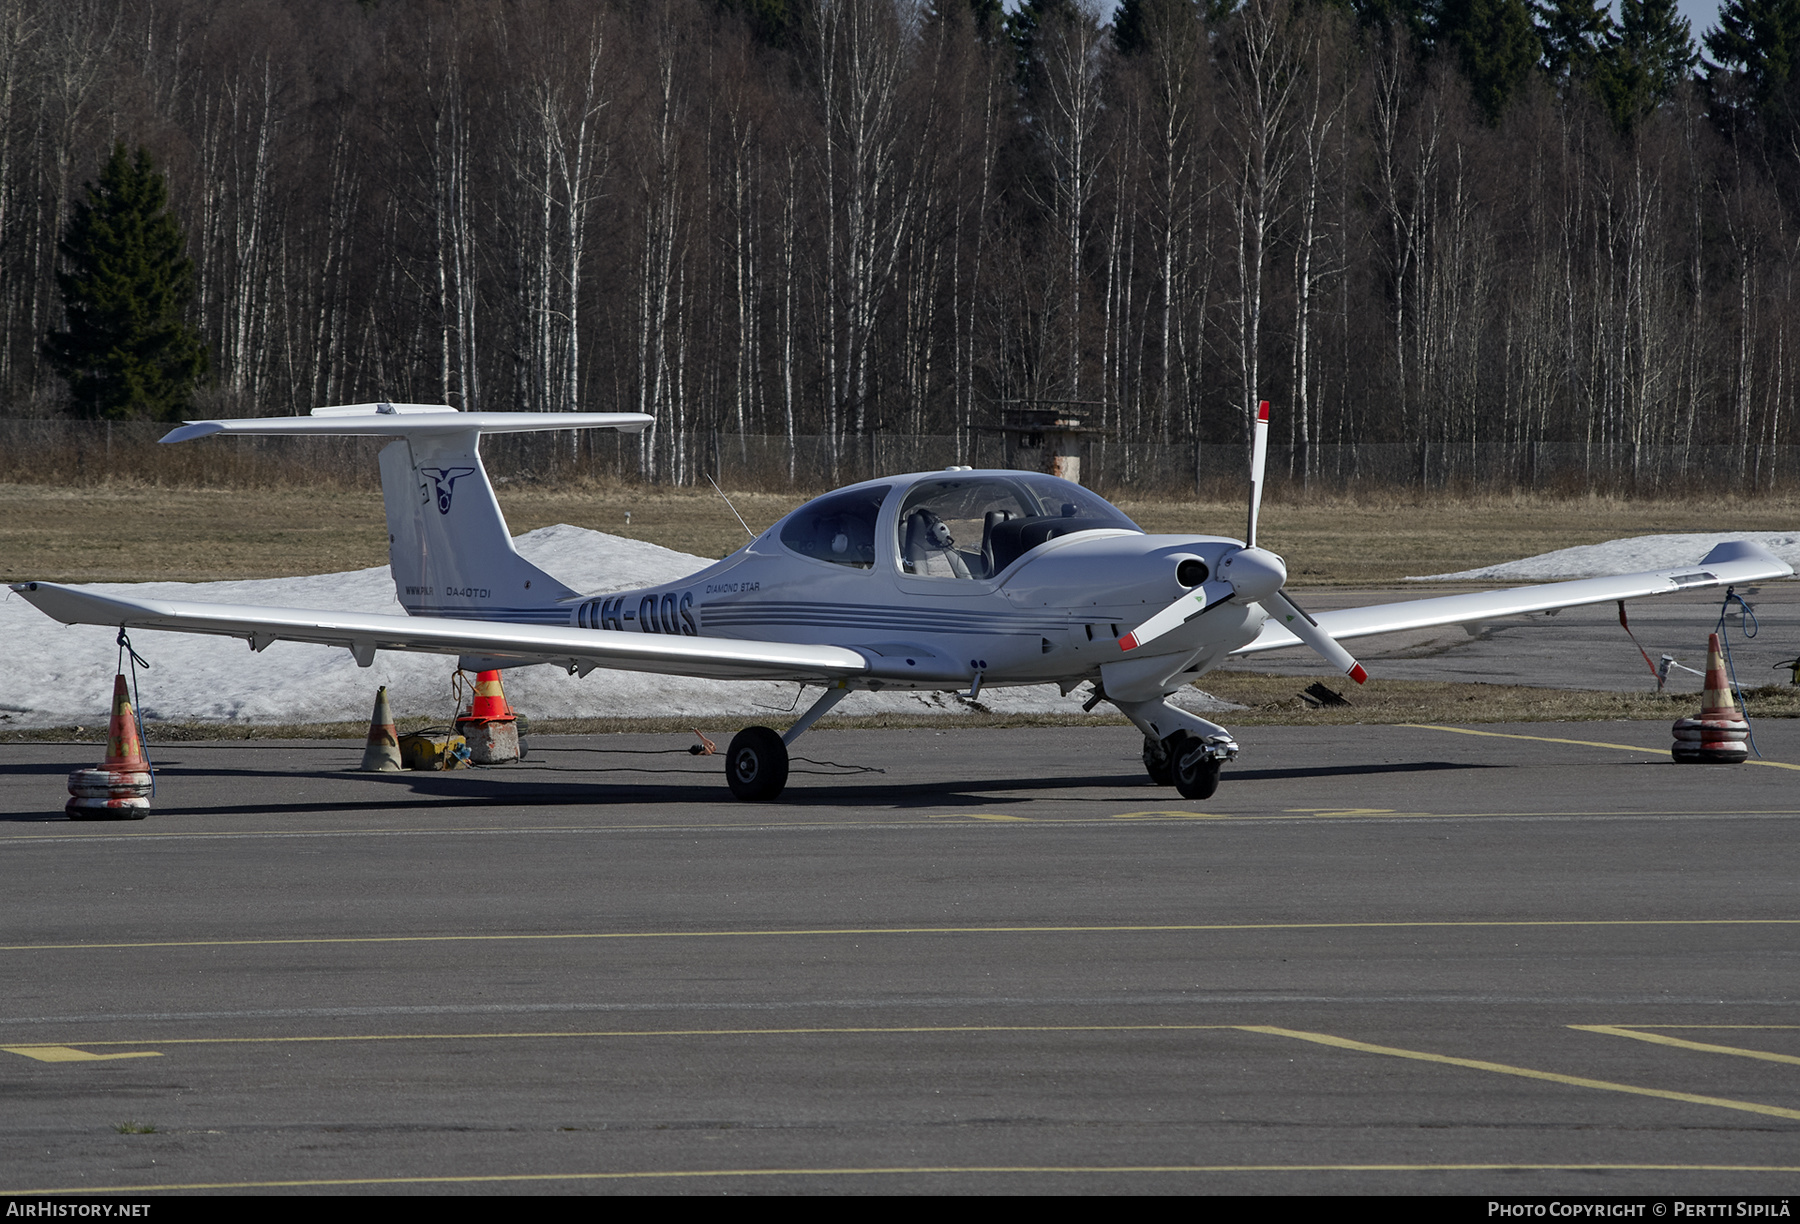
(1122, 929)
(914, 1171)
(62, 1054)
(1705, 1047)
(1342, 812)
(977, 816)
(1575, 1081)
(1551, 739)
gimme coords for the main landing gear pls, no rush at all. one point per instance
(756, 764)
(1180, 750)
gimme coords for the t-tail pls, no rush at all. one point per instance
(448, 544)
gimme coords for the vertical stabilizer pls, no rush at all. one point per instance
(448, 544)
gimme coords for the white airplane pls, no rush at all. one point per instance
(951, 580)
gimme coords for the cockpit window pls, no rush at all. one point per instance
(839, 528)
(975, 526)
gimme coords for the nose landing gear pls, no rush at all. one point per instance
(1188, 762)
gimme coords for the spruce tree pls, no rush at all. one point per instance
(1755, 49)
(1573, 32)
(1495, 44)
(127, 350)
(1645, 60)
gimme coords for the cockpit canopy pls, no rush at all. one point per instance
(955, 525)
(839, 527)
(974, 526)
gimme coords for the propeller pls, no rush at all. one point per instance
(1250, 575)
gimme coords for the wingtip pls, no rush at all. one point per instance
(192, 429)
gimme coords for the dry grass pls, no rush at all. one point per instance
(126, 533)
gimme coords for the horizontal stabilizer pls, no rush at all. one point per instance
(406, 421)
(365, 633)
(1733, 562)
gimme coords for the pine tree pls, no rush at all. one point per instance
(990, 18)
(1495, 44)
(1135, 22)
(774, 22)
(1573, 32)
(127, 352)
(1645, 60)
(1755, 49)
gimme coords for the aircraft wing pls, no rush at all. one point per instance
(364, 633)
(1733, 562)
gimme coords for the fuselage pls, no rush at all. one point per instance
(943, 576)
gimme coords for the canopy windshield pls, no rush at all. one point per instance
(974, 526)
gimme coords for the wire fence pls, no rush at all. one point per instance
(56, 451)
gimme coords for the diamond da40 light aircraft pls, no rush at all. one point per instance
(950, 580)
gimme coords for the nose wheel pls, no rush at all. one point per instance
(1186, 762)
(756, 764)
(1197, 771)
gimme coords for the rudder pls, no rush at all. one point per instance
(448, 545)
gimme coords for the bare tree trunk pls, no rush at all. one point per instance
(1261, 81)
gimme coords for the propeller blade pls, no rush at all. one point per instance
(1259, 458)
(1174, 616)
(1295, 620)
(1247, 575)
(1253, 574)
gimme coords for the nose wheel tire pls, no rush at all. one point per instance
(1196, 770)
(756, 765)
(1187, 763)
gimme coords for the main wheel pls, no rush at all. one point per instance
(756, 764)
(1158, 763)
(1196, 773)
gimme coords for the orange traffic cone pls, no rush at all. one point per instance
(119, 789)
(490, 727)
(489, 704)
(382, 753)
(1719, 736)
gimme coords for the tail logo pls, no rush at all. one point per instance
(445, 479)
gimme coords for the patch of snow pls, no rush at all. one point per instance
(1628, 556)
(58, 675)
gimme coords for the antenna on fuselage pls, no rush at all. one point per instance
(730, 507)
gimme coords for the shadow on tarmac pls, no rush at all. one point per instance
(431, 792)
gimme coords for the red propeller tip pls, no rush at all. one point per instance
(1262, 410)
(1128, 642)
(1358, 674)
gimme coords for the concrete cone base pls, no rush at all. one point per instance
(490, 743)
